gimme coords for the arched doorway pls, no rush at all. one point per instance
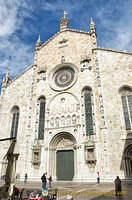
(128, 160)
(62, 156)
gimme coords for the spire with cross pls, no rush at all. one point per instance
(65, 13)
(64, 23)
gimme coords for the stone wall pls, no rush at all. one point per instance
(105, 72)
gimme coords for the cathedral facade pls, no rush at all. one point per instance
(71, 111)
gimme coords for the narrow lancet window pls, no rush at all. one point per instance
(15, 120)
(41, 118)
(126, 97)
(88, 110)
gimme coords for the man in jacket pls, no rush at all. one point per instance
(43, 178)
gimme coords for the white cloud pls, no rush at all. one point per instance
(8, 21)
(112, 19)
(12, 14)
(14, 53)
(116, 25)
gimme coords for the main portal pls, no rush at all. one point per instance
(65, 165)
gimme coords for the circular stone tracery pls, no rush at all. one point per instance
(64, 77)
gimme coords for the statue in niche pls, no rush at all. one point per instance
(90, 154)
(78, 119)
(52, 122)
(74, 119)
(57, 121)
(102, 109)
(102, 121)
(100, 99)
(62, 121)
(68, 120)
(99, 81)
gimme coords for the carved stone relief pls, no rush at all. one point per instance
(68, 121)
(57, 121)
(63, 43)
(85, 62)
(41, 73)
(63, 121)
(90, 154)
(74, 119)
(65, 143)
(36, 154)
(63, 111)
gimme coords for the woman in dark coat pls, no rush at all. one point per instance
(118, 186)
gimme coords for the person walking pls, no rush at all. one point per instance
(43, 178)
(26, 177)
(98, 177)
(50, 180)
(118, 186)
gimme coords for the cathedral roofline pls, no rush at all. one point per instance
(22, 73)
(70, 30)
(112, 50)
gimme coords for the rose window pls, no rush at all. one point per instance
(63, 77)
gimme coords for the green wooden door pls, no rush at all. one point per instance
(65, 165)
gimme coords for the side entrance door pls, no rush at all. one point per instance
(65, 165)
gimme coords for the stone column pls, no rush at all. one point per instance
(102, 118)
(75, 163)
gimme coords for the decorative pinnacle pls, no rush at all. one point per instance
(8, 73)
(92, 21)
(38, 43)
(92, 26)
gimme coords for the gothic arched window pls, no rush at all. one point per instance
(126, 97)
(41, 117)
(15, 120)
(87, 92)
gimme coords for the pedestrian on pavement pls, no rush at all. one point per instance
(43, 178)
(98, 177)
(26, 177)
(118, 186)
(50, 180)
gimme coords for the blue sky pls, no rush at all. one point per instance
(21, 21)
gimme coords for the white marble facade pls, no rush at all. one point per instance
(75, 55)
